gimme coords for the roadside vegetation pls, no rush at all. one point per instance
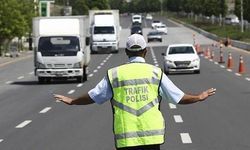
(222, 30)
(16, 15)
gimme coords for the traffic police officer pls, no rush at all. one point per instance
(135, 90)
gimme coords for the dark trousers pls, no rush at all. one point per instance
(145, 147)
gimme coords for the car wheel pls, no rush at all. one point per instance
(160, 40)
(166, 71)
(197, 71)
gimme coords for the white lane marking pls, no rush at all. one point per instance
(186, 139)
(102, 64)
(45, 110)
(71, 91)
(248, 79)
(90, 75)
(216, 63)
(9, 82)
(1, 140)
(222, 66)
(79, 85)
(172, 106)
(229, 70)
(95, 70)
(178, 119)
(31, 73)
(104, 61)
(58, 101)
(23, 124)
(237, 74)
(99, 67)
(21, 77)
(156, 65)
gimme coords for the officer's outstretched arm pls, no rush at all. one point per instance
(189, 99)
(82, 100)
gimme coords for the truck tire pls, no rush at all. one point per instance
(79, 79)
(84, 77)
(41, 80)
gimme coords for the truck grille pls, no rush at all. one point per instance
(60, 66)
(56, 66)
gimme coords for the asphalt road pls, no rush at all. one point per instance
(30, 119)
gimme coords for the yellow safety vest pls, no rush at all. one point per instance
(137, 119)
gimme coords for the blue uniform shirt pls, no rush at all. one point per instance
(103, 92)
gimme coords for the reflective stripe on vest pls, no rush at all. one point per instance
(116, 83)
(139, 134)
(134, 111)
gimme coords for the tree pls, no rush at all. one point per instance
(12, 22)
(174, 5)
(79, 7)
(246, 5)
(237, 8)
(98, 4)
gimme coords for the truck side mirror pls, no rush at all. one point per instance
(87, 41)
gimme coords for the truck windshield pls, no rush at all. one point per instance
(104, 30)
(59, 45)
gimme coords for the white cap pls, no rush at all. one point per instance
(136, 40)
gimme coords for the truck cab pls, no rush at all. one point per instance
(104, 29)
(136, 19)
(60, 52)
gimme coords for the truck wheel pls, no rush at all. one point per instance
(48, 80)
(41, 80)
(79, 79)
(85, 75)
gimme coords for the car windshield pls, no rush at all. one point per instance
(181, 50)
(156, 21)
(137, 18)
(162, 26)
(59, 45)
(104, 30)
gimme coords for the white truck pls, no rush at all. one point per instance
(61, 47)
(105, 30)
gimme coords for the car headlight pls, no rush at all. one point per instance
(40, 65)
(77, 65)
(196, 60)
(169, 61)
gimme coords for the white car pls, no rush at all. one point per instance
(232, 19)
(181, 58)
(162, 28)
(155, 23)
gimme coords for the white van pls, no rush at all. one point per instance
(137, 19)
